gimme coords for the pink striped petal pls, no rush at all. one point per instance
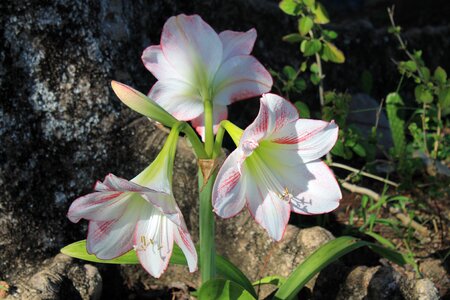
(153, 241)
(178, 98)
(110, 239)
(192, 47)
(122, 185)
(240, 77)
(184, 241)
(237, 43)
(274, 114)
(311, 139)
(220, 113)
(227, 196)
(268, 208)
(98, 206)
(155, 61)
(322, 192)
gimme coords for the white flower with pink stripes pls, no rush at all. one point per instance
(276, 168)
(140, 214)
(193, 63)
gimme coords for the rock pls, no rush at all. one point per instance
(60, 278)
(421, 289)
(4, 289)
(364, 114)
(370, 283)
(434, 270)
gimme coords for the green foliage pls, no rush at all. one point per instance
(432, 94)
(314, 40)
(332, 53)
(225, 268)
(397, 125)
(303, 109)
(222, 289)
(325, 255)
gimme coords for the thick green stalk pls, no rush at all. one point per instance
(209, 122)
(207, 229)
(195, 142)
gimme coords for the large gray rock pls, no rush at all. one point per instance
(61, 128)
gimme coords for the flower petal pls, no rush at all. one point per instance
(240, 77)
(220, 113)
(155, 61)
(192, 47)
(98, 206)
(274, 114)
(322, 193)
(178, 98)
(153, 241)
(268, 208)
(311, 139)
(237, 43)
(110, 239)
(122, 185)
(184, 241)
(227, 195)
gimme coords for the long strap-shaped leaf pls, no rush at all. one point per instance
(325, 255)
(224, 267)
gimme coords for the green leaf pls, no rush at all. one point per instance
(300, 85)
(409, 65)
(425, 73)
(314, 263)
(303, 109)
(366, 81)
(274, 280)
(440, 75)
(320, 14)
(290, 72)
(292, 38)
(221, 289)
(390, 254)
(395, 30)
(338, 149)
(289, 7)
(444, 97)
(359, 150)
(381, 240)
(329, 34)
(310, 47)
(224, 268)
(303, 66)
(315, 79)
(78, 250)
(332, 53)
(314, 68)
(227, 270)
(325, 255)
(304, 25)
(309, 3)
(423, 95)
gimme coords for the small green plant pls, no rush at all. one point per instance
(427, 123)
(315, 42)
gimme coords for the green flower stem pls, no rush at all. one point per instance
(197, 145)
(207, 229)
(234, 131)
(209, 122)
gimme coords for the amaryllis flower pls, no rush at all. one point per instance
(276, 168)
(140, 214)
(194, 63)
